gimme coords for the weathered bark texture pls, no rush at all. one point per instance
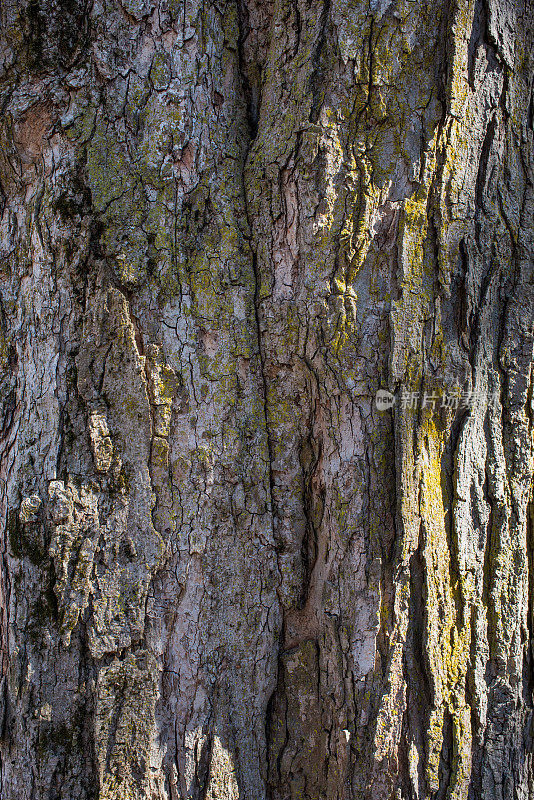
(224, 572)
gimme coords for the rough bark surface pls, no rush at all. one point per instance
(224, 572)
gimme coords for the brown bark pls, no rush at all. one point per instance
(226, 573)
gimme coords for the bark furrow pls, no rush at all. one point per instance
(226, 571)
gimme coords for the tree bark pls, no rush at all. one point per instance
(225, 571)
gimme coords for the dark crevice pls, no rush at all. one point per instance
(253, 97)
(490, 549)
(313, 504)
(419, 690)
(298, 24)
(88, 675)
(477, 35)
(317, 76)
(250, 82)
(274, 722)
(404, 782)
(202, 766)
(459, 290)
(446, 758)
(482, 176)
(528, 665)
(530, 114)
(255, 20)
(448, 472)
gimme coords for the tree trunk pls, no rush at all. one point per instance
(226, 572)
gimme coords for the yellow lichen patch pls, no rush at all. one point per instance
(125, 710)
(412, 232)
(447, 644)
(460, 32)
(4, 352)
(222, 780)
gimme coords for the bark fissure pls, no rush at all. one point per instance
(226, 571)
